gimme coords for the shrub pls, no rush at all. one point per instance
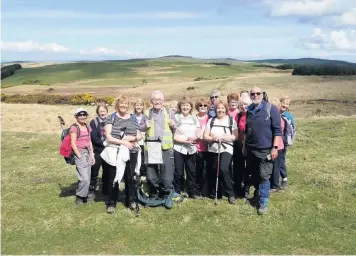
(82, 99)
(107, 99)
(3, 97)
(191, 88)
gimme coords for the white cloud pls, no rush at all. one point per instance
(311, 8)
(103, 51)
(31, 46)
(349, 18)
(68, 14)
(340, 40)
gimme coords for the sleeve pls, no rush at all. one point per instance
(94, 134)
(208, 124)
(73, 129)
(276, 121)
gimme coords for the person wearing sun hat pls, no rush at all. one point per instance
(83, 151)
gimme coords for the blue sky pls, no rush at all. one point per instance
(250, 29)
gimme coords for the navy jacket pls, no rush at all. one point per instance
(261, 129)
(97, 136)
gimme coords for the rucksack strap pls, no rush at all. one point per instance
(231, 123)
(269, 106)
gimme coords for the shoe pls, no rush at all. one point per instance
(79, 201)
(91, 196)
(135, 208)
(284, 184)
(110, 210)
(262, 210)
(196, 197)
(232, 200)
(274, 190)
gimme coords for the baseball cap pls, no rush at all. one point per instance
(80, 110)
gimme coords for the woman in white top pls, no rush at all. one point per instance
(221, 132)
(185, 139)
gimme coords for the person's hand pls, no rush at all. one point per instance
(244, 150)
(171, 123)
(274, 153)
(128, 144)
(217, 138)
(191, 141)
(92, 159)
(148, 123)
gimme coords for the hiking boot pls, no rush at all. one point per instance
(110, 210)
(91, 196)
(274, 190)
(232, 200)
(262, 210)
(135, 208)
(79, 200)
(196, 197)
(284, 184)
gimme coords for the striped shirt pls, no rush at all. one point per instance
(122, 126)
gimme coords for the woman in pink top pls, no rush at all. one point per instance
(202, 106)
(232, 100)
(277, 162)
(84, 155)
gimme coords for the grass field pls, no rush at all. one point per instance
(316, 215)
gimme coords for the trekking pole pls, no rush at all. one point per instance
(217, 175)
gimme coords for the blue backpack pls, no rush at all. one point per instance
(290, 131)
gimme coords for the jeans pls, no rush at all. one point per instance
(184, 162)
(276, 170)
(224, 173)
(201, 173)
(283, 169)
(130, 183)
(160, 176)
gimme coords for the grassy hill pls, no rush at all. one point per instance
(306, 61)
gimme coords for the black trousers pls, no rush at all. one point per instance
(276, 170)
(184, 162)
(242, 179)
(201, 173)
(99, 162)
(224, 173)
(130, 183)
(143, 168)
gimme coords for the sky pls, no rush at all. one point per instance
(47, 30)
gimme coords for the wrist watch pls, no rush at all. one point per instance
(275, 147)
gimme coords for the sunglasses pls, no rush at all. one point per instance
(82, 114)
(203, 105)
(214, 97)
(255, 93)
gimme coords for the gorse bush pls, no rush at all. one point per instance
(83, 99)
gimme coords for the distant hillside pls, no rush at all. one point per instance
(306, 61)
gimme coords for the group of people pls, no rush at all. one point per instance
(223, 149)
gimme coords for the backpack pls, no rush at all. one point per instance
(178, 119)
(97, 125)
(289, 131)
(231, 122)
(65, 148)
(132, 117)
(168, 202)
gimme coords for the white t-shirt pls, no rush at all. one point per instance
(187, 127)
(220, 128)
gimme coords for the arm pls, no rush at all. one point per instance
(180, 138)
(138, 135)
(95, 139)
(198, 132)
(111, 139)
(172, 121)
(207, 136)
(73, 143)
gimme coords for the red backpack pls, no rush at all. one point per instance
(65, 149)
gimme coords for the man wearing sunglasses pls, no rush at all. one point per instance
(263, 133)
(214, 97)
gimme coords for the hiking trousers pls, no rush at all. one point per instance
(201, 173)
(184, 162)
(261, 169)
(83, 166)
(130, 183)
(276, 170)
(160, 176)
(240, 174)
(225, 178)
(99, 162)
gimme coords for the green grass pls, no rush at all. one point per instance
(117, 72)
(316, 215)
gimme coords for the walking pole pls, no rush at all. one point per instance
(217, 175)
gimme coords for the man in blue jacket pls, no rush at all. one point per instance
(263, 132)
